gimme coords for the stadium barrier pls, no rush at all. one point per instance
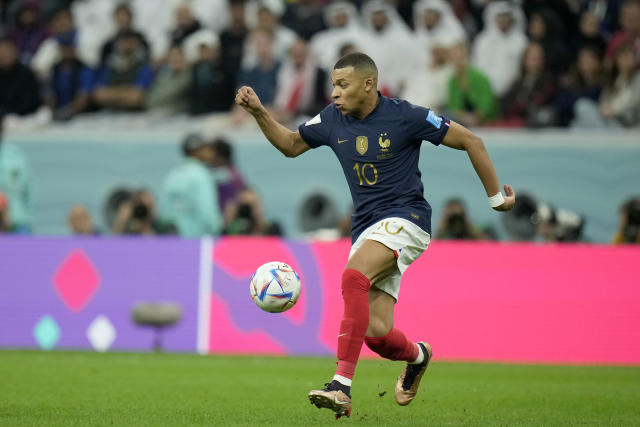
(472, 301)
(589, 173)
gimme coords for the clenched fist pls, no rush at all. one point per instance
(247, 99)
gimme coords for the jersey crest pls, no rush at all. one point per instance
(384, 144)
(362, 144)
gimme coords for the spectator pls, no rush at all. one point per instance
(212, 14)
(62, 28)
(123, 81)
(560, 9)
(434, 21)
(302, 86)
(137, 215)
(94, 21)
(234, 37)
(228, 179)
(80, 222)
(629, 32)
(170, 88)
(497, 50)
(29, 29)
(545, 28)
(620, 99)
(189, 194)
(245, 216)
(212, 88)
(585, 80)
(608, 13)
(123, 19)
(590, 35)
(346, 49)
(463, 11)
(428, 86)
(263, 76)
(455, 223)
(470, 97)
(530, 101)
(304, 17)
(186, 24)
(628, 223)
(16, 187)
(267, 20)
(70, 83)
(341, 18)
(385, 32)
(19, 88)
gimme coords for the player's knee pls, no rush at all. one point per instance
(354, 280)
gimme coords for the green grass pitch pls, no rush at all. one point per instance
(132, 389)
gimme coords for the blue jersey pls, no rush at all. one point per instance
(379, 156)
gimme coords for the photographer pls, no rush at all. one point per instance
(189, 195)
(136, 215)
(5, 222)
(244, 216)
(629, 223)
(16, 184)
(455, 224)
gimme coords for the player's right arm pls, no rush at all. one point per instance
(461, 138)
(287, 142)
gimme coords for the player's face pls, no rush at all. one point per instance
(350, 89)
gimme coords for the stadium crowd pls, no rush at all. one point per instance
(521, 63)
(533, 63)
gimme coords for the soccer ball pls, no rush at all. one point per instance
(275, 287)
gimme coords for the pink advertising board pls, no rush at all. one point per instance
(471, 301)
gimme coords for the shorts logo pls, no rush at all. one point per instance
(362, 144)
(386, 228)
(434, 119)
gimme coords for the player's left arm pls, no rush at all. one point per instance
(461, 138)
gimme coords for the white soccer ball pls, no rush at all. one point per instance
(275, 287)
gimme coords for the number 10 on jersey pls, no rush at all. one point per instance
(365, 175)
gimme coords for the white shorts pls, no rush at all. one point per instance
(403, 237)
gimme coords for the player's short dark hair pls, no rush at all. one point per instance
(359, 61)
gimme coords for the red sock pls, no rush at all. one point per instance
(394, 346)
(355, 320)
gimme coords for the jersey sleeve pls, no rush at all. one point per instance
(316, 132)
(425, 125)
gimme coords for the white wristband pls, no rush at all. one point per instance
(496, 200)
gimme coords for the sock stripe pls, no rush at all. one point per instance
(342, 380)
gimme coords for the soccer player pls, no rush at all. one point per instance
(377, 141)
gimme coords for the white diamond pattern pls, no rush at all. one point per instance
(101, 333)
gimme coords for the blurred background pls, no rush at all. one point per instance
(118, 119)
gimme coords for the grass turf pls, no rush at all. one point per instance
(130, 389)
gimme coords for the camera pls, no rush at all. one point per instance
(140, 211)
(458, 227)
(632, 226)
(531, 218)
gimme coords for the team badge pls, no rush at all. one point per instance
(362, 144)
(384, 144)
